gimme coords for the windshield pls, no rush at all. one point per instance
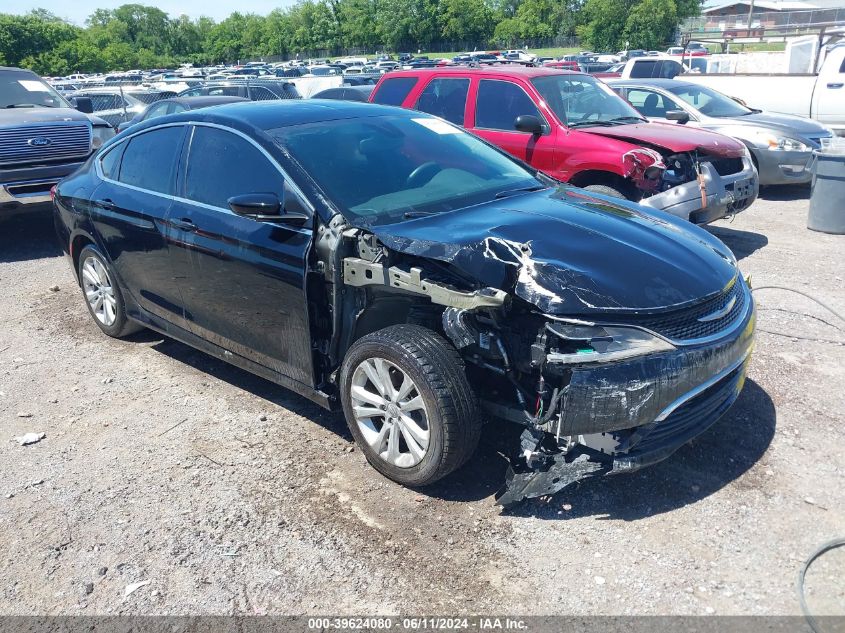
(26, 90)
(581, 100)
(383, 169)
(709, 102)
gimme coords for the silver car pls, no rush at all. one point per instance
(781, 145)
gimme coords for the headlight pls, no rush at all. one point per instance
(580, 344)
(780, 143)
(100, 136)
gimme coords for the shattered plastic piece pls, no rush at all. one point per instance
(30, 438)
(644, 166)
(556, 474)
(133, 587)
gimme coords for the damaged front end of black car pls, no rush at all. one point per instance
(613, 342)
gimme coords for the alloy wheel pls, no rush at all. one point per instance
(99, 292)
(390, 412)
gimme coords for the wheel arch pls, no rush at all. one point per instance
(608, 178)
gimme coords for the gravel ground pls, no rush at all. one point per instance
(230, 495)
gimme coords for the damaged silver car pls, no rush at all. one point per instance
(388, 263)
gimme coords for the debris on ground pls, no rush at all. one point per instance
(30, 438)
(133, 587)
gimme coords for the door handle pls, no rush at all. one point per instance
(106, 204)
(838, 85)
(184, 224)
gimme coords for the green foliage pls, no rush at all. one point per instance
(648, 24)
(651, 23)
(140, 36)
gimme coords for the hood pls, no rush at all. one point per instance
(24, 116)
(785, 124)
(673, 138)
(570, 252)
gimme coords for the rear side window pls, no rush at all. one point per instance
(110, 163)
(222, 165)
(499, 103)
(149, 161)
(658, 68)
(394, 91)
(446, 98)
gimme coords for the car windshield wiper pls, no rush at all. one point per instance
(624, 119)
(590, 123)
(514, 192)
(419, 214)
(21, 105)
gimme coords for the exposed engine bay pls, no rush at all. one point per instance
(692, 185)
(593, 395)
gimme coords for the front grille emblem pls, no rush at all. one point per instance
(718, 314)
(39, 141)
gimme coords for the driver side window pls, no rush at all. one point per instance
(222, 165)
(499, 103)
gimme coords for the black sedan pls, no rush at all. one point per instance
(175, 106)
(387, 262)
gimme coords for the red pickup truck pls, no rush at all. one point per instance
(574, 128)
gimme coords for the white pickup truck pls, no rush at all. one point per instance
(820, 96)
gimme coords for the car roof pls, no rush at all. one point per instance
(202, 101)
(513, 70)
(268, 115)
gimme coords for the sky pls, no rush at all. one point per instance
(77, 11)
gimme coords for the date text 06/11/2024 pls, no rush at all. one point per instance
(478, 623)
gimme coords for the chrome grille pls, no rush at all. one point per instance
(70, 140)
(684, 325)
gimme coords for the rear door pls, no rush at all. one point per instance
(243, 280)
(445, 97)
(498, 103)
(129, 211)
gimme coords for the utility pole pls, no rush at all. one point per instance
(750, 14)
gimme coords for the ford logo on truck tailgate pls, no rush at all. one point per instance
(39, 141)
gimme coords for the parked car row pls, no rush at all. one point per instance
(574, 128)
(434, 267)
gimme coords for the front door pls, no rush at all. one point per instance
(243, 281)
(497, 105)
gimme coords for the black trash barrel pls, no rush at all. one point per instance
(827, 200)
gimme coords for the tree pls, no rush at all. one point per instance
(651, 24)
(605, 23)
(467, 20)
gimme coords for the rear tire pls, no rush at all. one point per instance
(102, 294)
(606, 190)
(409, 405)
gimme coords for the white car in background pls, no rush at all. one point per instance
(520, 55)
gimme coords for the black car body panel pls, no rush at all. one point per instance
(512, 283)
(580, 271)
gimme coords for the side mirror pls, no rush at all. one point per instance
(677, 115)
(84, 105)
(528, 123)
(265, 207)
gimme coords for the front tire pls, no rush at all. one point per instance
(606, 190)
(102, 294)
(409, 405)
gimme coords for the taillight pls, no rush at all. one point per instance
(52, 193)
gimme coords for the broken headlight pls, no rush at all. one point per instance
(579, 344)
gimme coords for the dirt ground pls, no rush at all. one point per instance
(233, 496)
